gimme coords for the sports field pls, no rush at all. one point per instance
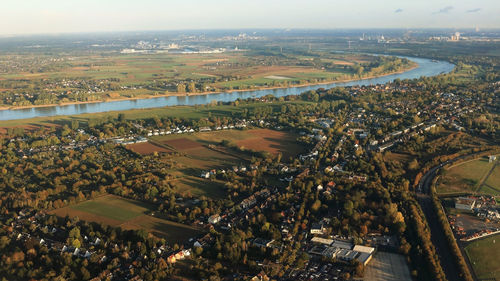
(128, 214)
(484, 255)
(478, 175)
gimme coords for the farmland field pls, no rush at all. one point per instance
(146, 148)
(484, 255)
(472, 176)
(271, 141)
(133, 69)
(128, 214)
(402, 158)
(201, 152)
(197, 186)
(125, 75)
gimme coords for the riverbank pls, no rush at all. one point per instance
(426, 67)
(175, 94)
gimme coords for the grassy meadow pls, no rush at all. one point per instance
(484, 255)
(128, 214)
(477, 175)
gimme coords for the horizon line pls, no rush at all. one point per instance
(4, 35)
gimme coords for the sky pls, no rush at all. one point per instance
(72, 16)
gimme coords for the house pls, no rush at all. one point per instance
(320, 138)
(205, 175)
(248, 202)
(384, 147)
(179, 255)
(171, 259)
(464, 203)
(317, 228)
(214, 219)
(96, 242)
(260, 242)
(260, 277)
(337, 168)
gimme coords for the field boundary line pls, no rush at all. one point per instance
(162, 145)
(482, 181)
(225, 152)
(458, 164)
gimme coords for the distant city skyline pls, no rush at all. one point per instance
(72, 16)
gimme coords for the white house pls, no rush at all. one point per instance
(214, 219)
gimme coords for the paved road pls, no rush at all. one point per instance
(438, 237)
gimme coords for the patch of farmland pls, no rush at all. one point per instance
(182, 144)
(146, 148)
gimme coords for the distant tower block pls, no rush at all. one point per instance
(456, 36)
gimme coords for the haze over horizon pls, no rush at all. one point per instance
(58, 16)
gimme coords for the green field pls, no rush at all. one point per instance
(484, 255)
(111, 211)
(128, 214)
(492, 183)
(472, 176)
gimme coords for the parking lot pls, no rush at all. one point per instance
(387, 267)
(318, 272)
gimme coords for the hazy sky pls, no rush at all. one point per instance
(56, 16)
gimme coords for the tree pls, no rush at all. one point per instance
(121, 117)
(181, 88)
(316, 205)
(74, 124)
(348, 208)
(192, 87)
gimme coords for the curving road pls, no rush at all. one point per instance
(438, 237)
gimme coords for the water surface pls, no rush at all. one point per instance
(426, 67)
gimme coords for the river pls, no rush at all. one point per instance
(426, 67)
